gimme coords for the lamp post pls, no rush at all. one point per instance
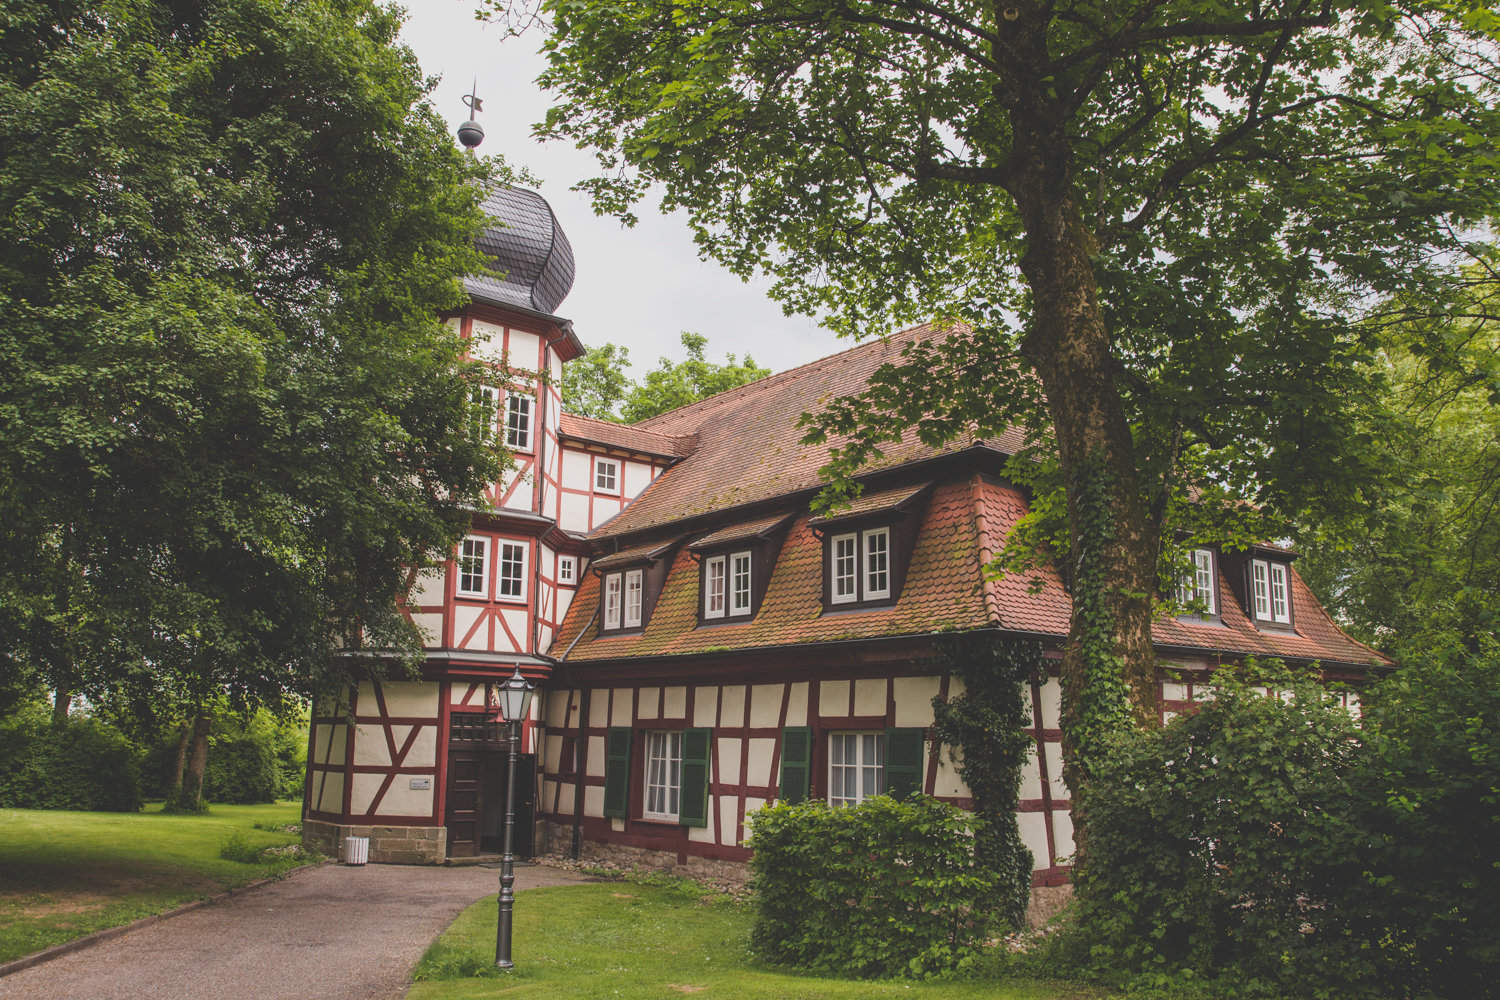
(515, 704)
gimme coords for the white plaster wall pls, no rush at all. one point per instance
(411, 698)
(431, 624)
(1062, 835)
(573, 512)
(622, 707)
(869, 696)
(1033, 828)
(765, 705)
(727, 753)
(637, 478)
(649, 699)
(760, 760)
(428, 587)
(403, 800)
(1051, 698)
(593, 801)
(833, 698)
(705, 706)
(914, 701)
(328, 791)
(370, 746)
(515, 620)
(674, 703)
(1031, 776)
(363, 792)
(329, 742)
(596, 758)
(577, 466)
(796, 708)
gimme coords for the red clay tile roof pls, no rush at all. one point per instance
(625, 436)
(1316, 636)
(749, 445)
(966, 522)
(736, 532)
(871, 503)
(942, 591)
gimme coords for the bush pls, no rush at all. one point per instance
(885, 888)
(81, 763)
(1428, 790)
(1221, 847)
(236, 847)
(241, 770)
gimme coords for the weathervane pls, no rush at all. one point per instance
(471, 133)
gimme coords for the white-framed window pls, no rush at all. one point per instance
(877, 564)
(843, 574)
(518, 421)
(612, 601)
(739, 583)
(1271, 591)
(663, 776)
(473, 567)
(1198, 585)
(510, 580)
(1281, 602)
(713, 587)
(567, 569)
(856, 767)
(634, 580)
(606, 475)
(486, 413)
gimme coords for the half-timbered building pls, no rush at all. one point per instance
(704, 643)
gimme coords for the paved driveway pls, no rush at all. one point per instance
(327, 932)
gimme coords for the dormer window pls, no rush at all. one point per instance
(1197, 592)
(866, 548)
(1270, 592)
(630, 583)
(734, 566)
(633, 591)
(727, 590)
(518, 421)
(612, 601)
(860, 567)
(843, 568)
(567, 570)
(606, 475)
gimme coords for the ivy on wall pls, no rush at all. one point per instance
(984, 730)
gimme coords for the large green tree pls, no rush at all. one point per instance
(598, 386)
(230, 418)
(1422, 567)
(1155, 216)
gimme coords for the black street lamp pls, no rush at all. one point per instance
(515, 704)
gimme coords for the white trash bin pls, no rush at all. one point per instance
(356, 850)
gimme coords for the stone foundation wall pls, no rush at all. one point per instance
(1047, 901)
(389, 845)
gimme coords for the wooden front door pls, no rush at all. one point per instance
(475, 812)
(465, 801)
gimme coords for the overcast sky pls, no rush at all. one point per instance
(638, 287)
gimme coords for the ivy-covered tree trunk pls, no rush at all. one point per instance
(1109, 667)
(190, 792)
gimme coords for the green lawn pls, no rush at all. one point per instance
(621, 939)
(67, 874)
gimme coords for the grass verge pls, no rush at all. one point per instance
(67, 874)
(631, 940)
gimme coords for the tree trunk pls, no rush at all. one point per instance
(191, 795)
(184, 739)
(62, 699)
(1108, 667)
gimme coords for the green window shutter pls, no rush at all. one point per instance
(696, 752)
(796, 763)
(903, 761)
(617, 772)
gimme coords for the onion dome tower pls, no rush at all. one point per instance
(530, 254)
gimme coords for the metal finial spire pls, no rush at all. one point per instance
(471, 133)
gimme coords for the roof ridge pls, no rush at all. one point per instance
(633, 428)
(719, 398)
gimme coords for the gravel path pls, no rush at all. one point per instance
(332, 933)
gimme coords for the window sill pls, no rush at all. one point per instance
(657, 821)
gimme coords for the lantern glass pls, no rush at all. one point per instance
(515, 697)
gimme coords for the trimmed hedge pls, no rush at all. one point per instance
(885, 888)
(78, 764)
